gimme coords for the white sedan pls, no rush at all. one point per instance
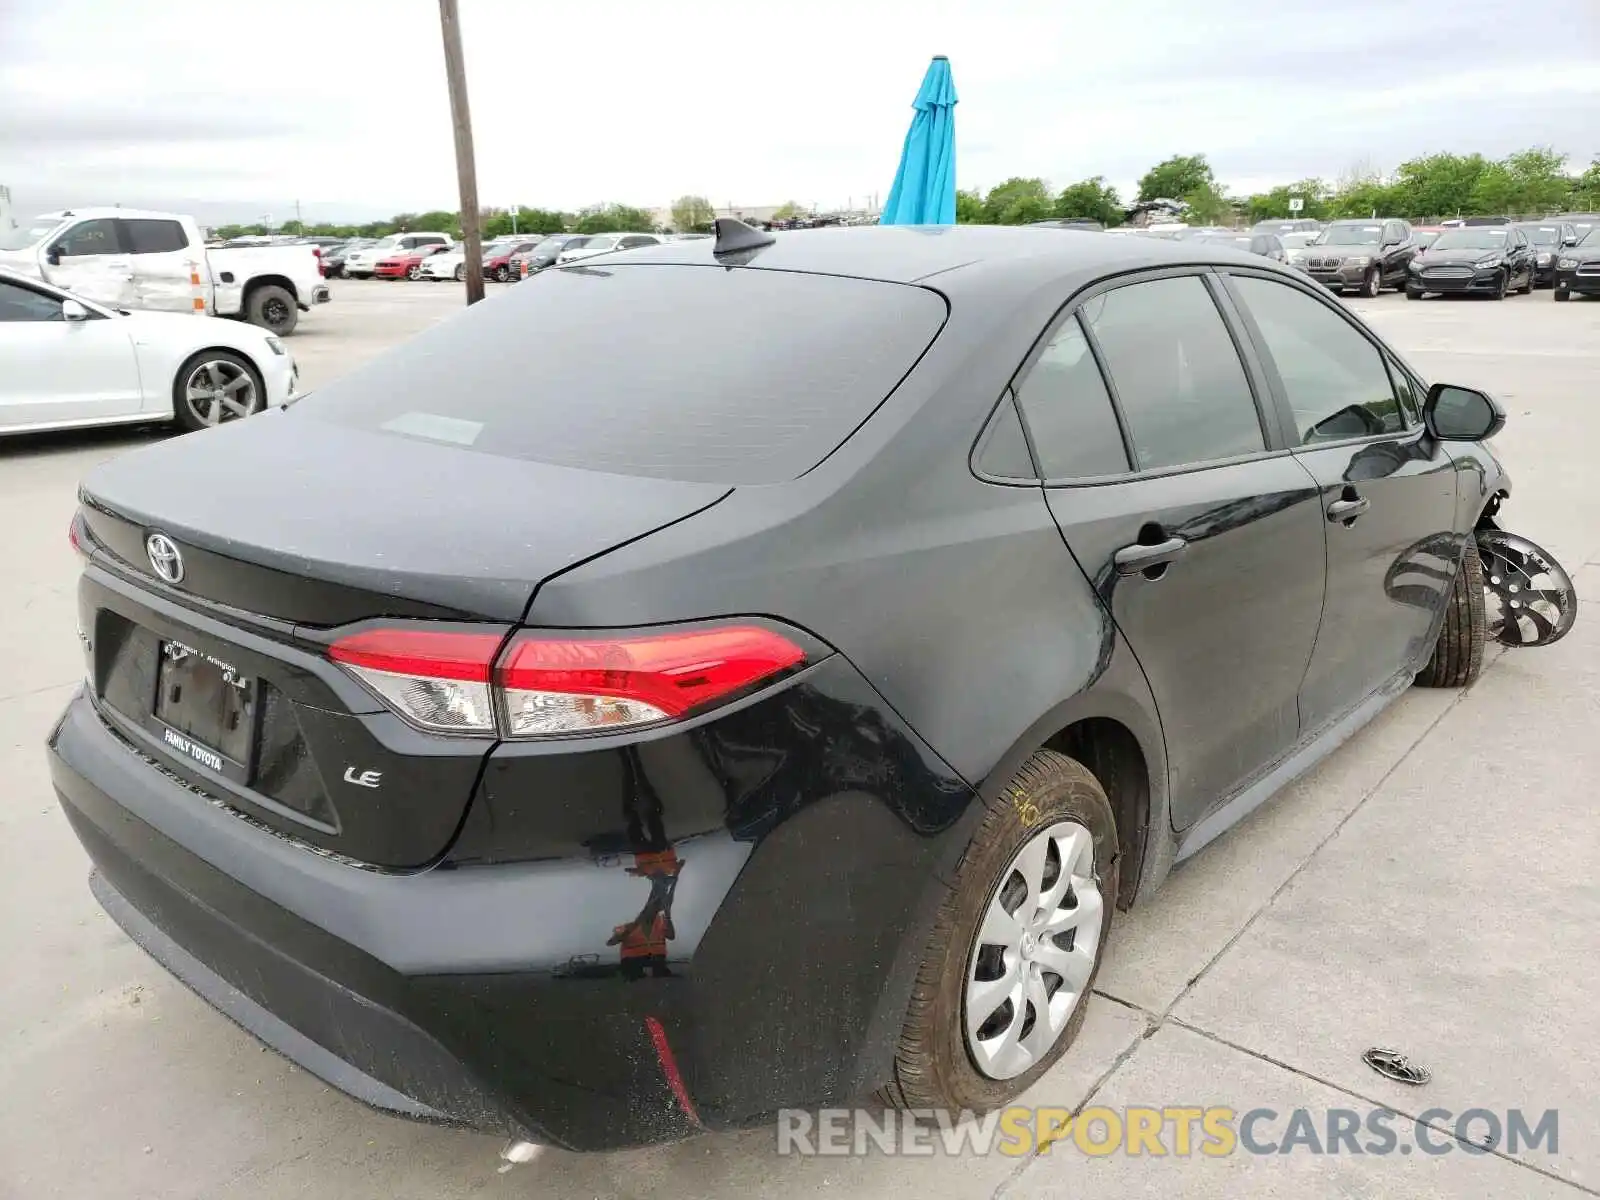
(66, 361)
(448, 264)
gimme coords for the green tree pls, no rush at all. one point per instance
(1496, 191)
(1312, 193)
(614, 218)
(1208, 205)
(1366, 198)
(692, 214)
(787, 211)
(969, 208)
(1018, 201)
(1091, 198)
(1585, 193)
(1542, 184)
(1438, 185)
(438, 220)
(1176, 178)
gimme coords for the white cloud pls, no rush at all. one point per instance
(343, 106)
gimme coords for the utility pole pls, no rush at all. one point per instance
(455, 70)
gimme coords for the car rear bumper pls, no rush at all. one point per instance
(515, 998)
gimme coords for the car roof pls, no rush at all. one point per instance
(96, 213)
(956, 253)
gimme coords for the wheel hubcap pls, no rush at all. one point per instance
(1034, 954)
(1530, 599)
(220, 391)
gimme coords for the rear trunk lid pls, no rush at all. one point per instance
(221, 677)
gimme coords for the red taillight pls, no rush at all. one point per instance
(553, 686)
(74, 539)
(437, 654)
(437, 679)
(545, 686)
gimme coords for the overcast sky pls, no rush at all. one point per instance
(341, 104)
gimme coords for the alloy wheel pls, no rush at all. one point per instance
(220, 390)
(1034, 953)
(275, 312)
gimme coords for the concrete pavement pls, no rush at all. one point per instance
(1431, 887)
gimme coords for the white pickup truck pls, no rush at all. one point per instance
(127, 259)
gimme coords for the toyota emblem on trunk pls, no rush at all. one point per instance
(164, 557)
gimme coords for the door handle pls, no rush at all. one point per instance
(1131, 560)
(1348, 510)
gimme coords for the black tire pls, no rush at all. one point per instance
(932, 1067)
(273, 308)
(1458, 654)
(414, 273)
(1413, 293)
(184, 412)
(1372, 282)
(501, 274)
(1561, 294)
(1502, 286)
(1527, 288)
(461, 273)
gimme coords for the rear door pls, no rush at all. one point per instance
(54, 371)
(1203, 539)
(1387, 491)
(161, 264)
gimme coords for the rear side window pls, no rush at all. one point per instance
(678, 372)
(1183, 390)
(1335, 379)
(1068, 410)
(154, 237)
(1003, 453)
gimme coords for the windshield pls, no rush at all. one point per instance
(28, 234)
(1352, 235)
(1592, 238)
(1480, 238)
(1542, 235)
(1296, 241)
(576, 243)
(605, 242)
(1423, 238)
(1222, 239)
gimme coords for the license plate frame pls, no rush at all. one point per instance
(206, 710)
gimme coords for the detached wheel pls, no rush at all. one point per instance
(1458, 654)
(1004, 984)
(1372, 282)
(215, 387)
(273, 307)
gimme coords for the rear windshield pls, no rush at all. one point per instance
(695, 373)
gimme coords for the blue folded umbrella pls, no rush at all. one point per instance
(924, 191)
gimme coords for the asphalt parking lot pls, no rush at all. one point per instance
(1434, 887)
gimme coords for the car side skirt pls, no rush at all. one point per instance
(1289, 768)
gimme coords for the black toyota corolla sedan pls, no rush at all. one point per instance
(598, 748)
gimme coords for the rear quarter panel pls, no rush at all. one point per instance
(956, 598)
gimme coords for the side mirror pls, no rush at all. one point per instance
(53, 255)
(1569, 240)
(71, 310)
(1462, 414)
